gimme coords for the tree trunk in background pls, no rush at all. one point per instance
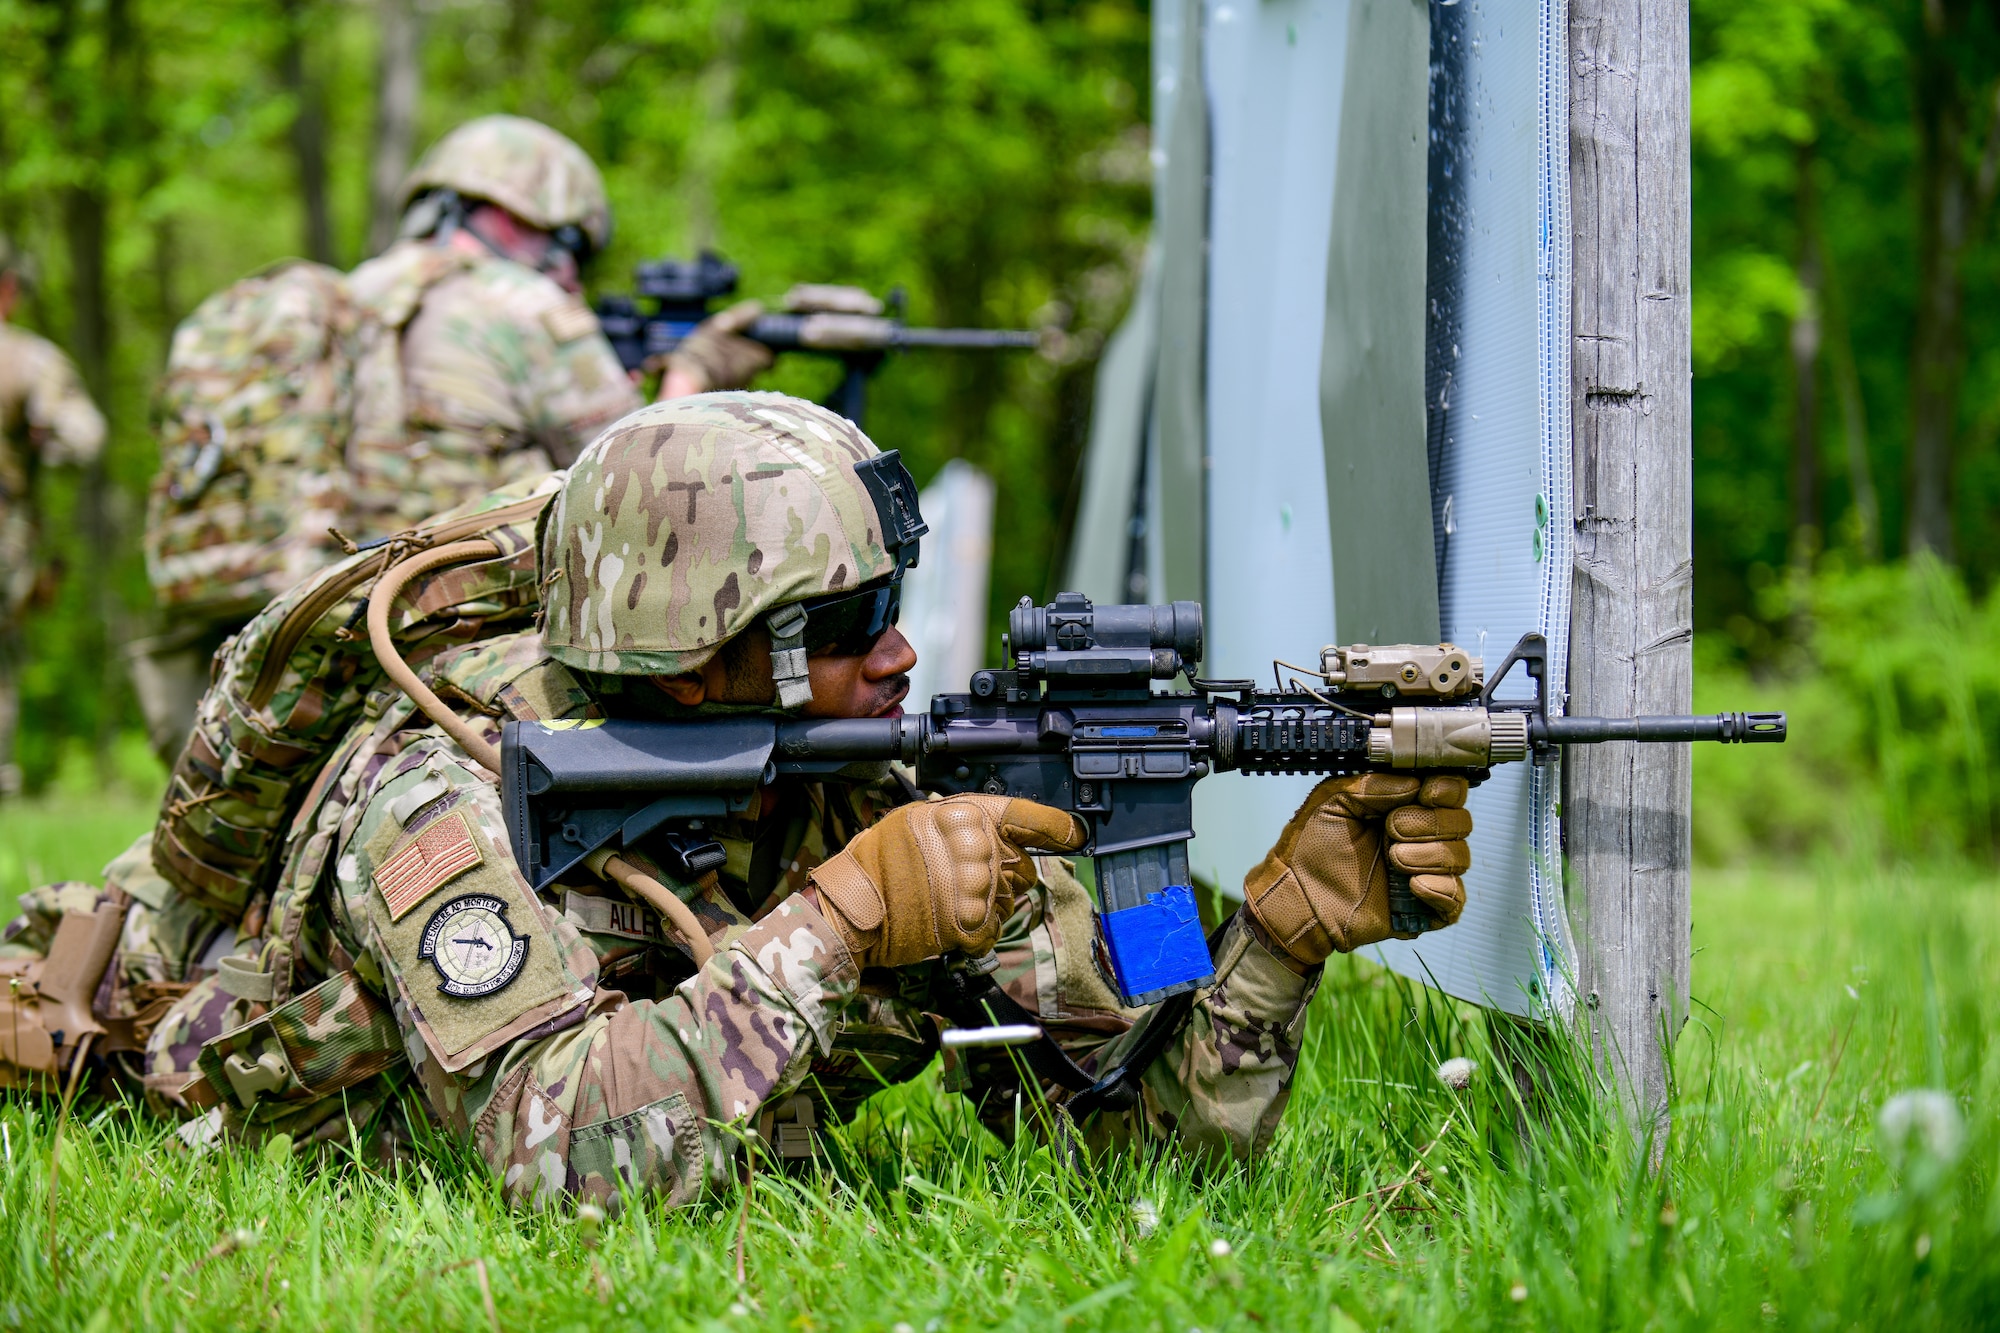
(1937, 353)
(90, 322)
(516, 42)
(1805, 345)
(83, 207)
(398, 72)
(81, 201)
(1853, 424)
(709, 147)
(520, 28)
(308, 131)
(975, 383)
(1627, 808)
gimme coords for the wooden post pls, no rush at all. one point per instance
(1626, 807)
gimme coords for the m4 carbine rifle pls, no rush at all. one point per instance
(1073, 723)
(826, 320)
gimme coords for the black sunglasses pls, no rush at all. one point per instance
(847, 624)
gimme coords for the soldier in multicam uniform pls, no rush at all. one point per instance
(722, 553)
(46, 419)
(504, 372)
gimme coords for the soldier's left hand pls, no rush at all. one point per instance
(1325, 886)
(717, 355)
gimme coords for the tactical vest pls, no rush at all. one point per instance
(293, 682)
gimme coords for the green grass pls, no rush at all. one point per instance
(1821, 990)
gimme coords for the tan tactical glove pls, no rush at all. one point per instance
(815, 298)
(1325, 886)
(934, 876)
(717, 355)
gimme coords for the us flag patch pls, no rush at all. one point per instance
(427, 863)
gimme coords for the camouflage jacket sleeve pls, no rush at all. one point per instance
(60, 417)
(1221, 1086)
(563, 1086)
(501, 352)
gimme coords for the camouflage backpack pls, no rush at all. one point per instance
(297, 677)
(255, 414)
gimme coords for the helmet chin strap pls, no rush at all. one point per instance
(787, 627)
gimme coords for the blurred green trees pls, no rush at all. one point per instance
(989, 156)
(1846, 346)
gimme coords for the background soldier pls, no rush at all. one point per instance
(46, 418)
(566, 1036)
(497, 371)
(505, 371)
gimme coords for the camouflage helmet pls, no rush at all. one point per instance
(686, 522)
(538, 175)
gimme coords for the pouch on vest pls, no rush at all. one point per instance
(320, 1042)
(45, 1007)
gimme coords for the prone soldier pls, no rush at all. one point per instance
(46, 420)
(726, 553)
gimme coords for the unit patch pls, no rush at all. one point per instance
(443, 851)
(472, 947)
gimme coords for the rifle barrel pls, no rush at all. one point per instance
(834, 332)
(1727, 728)
(977, 339)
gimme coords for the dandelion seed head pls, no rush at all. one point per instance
(1921, 1121)
(1456, 1073)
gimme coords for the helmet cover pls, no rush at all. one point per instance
(688, 520)
(535, 173)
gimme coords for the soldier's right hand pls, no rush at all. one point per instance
(935, 876)
(716, 355)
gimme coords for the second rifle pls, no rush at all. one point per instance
(840, 322)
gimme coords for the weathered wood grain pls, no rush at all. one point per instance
(1626, 807)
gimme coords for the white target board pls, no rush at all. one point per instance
(1293, 471)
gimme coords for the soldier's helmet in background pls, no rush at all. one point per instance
(535, 173)
(689, 520)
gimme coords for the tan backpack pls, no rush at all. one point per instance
(255, 415)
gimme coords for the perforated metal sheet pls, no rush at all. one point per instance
(1499, 403)
(1497, 391)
